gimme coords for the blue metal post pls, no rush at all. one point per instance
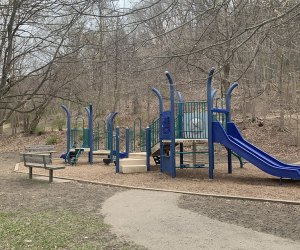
(91, 134)
(108, 131)
(210, 120)
(161, 109)
(68, 129)
(228, 101)
(172, 126)
(228, 119)
(111, 119)
(180, 125)
(117, 150)
(89, 110)
(127, 142)
(148, 147)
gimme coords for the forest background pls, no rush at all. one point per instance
(110, 53)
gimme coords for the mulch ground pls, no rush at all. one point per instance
(247, 182)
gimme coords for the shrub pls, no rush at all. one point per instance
(58, 123)
(39, 130)
(52, 140)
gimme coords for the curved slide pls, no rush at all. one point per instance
(233, 140)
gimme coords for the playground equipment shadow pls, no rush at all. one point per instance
(246, 182)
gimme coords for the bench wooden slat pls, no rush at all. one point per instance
(37, 165)
(34, 147)
(34, 154)
(41, 152)
(37, 158)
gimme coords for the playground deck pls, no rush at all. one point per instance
(95, 152)
(101, 152)
(185, 140)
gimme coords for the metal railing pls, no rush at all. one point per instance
(154, 128)
(191, 120)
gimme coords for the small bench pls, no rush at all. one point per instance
(37, 160)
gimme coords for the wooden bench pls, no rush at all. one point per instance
(37, 160)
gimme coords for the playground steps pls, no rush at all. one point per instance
(138, 155)
(133, 165)
(142, 155)
(76, 153)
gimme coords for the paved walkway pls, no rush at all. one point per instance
(154, 220)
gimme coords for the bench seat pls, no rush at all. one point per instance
(40, 165)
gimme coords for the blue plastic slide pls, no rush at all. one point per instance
(233, 140)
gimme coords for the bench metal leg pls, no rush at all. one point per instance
(30, 172)
(50, 175)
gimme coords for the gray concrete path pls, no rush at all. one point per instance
(154, 220)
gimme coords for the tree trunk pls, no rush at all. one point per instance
(281, 96)
(225, 79)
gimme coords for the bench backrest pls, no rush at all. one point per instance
(36, 158)
(39, 148)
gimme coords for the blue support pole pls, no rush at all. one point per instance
(117, 150)
(228, 101)
(172, 125)
(161, 108)
(148, 147)
(228, 119)
(180, 125)
(108, 137)
(91, 134)
(111, 119)
(127, 142)
(210, 94)
(68, 129)
(89, 111)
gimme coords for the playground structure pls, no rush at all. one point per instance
(185, 123)
(198, 121)
(190, 127)
(82, 140)
(95, 140)
(231, 138)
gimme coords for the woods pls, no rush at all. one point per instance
(109, 53)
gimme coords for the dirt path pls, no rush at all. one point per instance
(154, 220)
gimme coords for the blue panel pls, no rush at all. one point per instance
(167, 166)
(166, 125)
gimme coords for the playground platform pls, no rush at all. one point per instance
(95, 152)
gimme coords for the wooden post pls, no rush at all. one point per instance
(44, 161)
(50, 175)
(30, 172)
